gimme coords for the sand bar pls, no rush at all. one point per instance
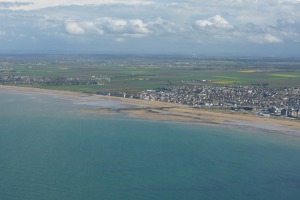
(172, 112)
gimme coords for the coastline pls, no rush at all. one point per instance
(162, 111)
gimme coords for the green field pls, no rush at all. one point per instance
(149, 73)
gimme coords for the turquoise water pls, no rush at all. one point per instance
(49, 151)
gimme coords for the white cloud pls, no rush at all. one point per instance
(215, 22)
(126, 28)
(138, 26)
(161, 26)
(134, 28)
(113, 25)
(289, 1)
(267, 38)
(120, 39)
(40, 4)
(271, 39)
(221, 22)
(82, 28)
(91, 27)
(74, 28)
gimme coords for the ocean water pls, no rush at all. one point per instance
(50, 151)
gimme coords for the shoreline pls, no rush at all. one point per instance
(162, 111)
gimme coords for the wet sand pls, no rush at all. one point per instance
(172, 112)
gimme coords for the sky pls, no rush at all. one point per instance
(198, 27)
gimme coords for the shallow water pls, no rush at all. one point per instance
(50, 151)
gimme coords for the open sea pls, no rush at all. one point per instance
(50, 151)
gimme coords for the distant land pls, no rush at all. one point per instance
(269, 87)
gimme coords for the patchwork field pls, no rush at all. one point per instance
(140, 73)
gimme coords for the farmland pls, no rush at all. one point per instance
(100, 73)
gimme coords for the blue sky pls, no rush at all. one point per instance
(214, 27)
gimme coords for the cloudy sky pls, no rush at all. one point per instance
(204, 27)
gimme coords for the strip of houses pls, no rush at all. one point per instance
(266, 101)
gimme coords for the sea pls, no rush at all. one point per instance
(51, 151)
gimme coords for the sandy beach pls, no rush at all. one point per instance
(172, 112)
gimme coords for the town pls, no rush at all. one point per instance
(266, 101)
(265, 87)
(55, 81)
